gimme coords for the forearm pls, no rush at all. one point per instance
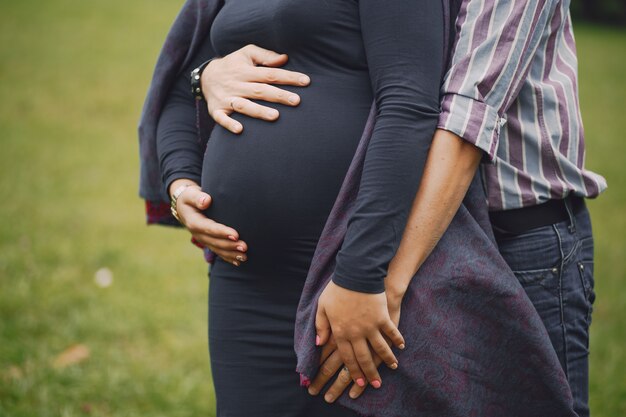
(449, 170)
(178, 146)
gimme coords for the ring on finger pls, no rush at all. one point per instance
(232, 106)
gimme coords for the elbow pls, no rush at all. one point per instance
(409, 102)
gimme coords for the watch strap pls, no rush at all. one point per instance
(196, 85)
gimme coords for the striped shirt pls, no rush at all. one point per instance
(512, 91)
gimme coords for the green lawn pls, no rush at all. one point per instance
(72, 80)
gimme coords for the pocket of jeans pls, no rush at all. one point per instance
(542, 288)
(547, 278)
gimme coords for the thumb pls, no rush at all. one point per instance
(322, 326)
(267, 58)
(203, 201)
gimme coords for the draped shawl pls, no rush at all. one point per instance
(475, 345)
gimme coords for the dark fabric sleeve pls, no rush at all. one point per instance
(178, 148)
(404, 46)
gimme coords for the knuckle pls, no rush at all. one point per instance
(326, 370)
(270, 76)
(350, 363)
(362, 357)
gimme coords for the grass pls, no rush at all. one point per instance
(72, 80)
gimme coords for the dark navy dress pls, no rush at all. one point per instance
(276, 182)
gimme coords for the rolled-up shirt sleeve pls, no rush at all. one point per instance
(495, 45)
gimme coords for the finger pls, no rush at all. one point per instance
(202, 200)
(329, 368)
(217, 230)
(209, 232)
(392, 332)
(252, 109)
(280, 76)
(265, 57)
(267, 92)
(239, 245)
(232, 257)
(349, 359)
(381, 347)
(328, 349)
(227, 122)
(221, 244)
(356, 391)
(338, 386)
(322, 327)
(366, 362)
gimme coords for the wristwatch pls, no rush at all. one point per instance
(196, 85)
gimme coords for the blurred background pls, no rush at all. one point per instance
(103, 316)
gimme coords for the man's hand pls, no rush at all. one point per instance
(222, 240)
(357, 321)
(230, 82)
(331, 362)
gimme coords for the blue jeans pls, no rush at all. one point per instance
(554, 264)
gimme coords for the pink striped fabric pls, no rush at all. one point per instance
(512, 90)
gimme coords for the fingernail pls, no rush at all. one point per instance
(203, 200)
(317, 340)
(239, 258)
(401, 346)
(233, 238)
(394, 366)
(375, 383)
(235, 263)
(293, 99)
(237, 128)
(352, 395)
(312, 391)
(240, 248)
(329, 398)
(360, 382)
(272, 113)
(304, 79)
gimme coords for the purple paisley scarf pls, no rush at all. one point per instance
(476, 347)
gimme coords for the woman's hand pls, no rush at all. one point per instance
(230, 82)
(222, 240)
(357, 321)
(330, 361)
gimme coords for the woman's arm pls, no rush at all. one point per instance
(403, 41)
(180, 156)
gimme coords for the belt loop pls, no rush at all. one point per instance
(570, 213)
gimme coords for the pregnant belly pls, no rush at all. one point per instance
(276, 182)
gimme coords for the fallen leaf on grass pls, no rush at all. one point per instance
(71, 356)
(13, 373)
